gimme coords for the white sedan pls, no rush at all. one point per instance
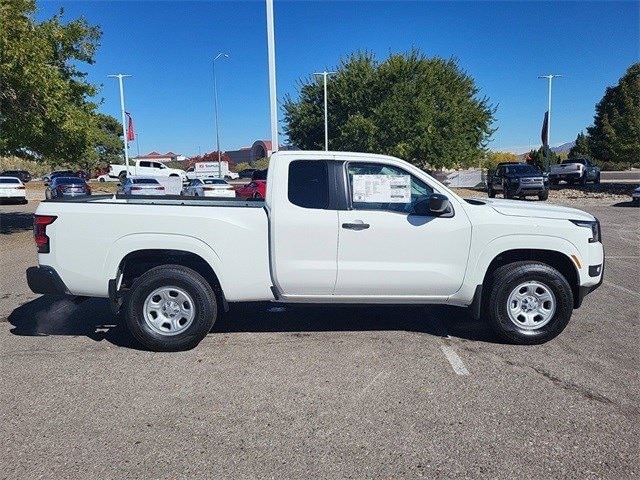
(11, 188)
(209, 187)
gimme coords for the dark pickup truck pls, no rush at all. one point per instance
(517, 180)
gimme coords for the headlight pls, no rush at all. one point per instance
(596, 233)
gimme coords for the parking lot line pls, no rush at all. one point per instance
(456, 362)
(620, 287)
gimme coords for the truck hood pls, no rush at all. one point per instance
(518, 208)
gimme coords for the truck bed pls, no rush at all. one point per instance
(92, 235)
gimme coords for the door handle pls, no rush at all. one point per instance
(357, 225)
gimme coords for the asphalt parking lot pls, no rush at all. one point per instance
(281, 392)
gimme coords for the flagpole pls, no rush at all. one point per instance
(124, 128)
(550, 77)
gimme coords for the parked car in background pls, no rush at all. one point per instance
(209, 187)
(581, 170)
(246, 173)
(58, 173)
(518, 180)
(635, 197)
(259, 174)
(255, 189)
(23, 175)
(141, 168)
(67, 187)
(12, 189)
(141, 186)
(106, 178)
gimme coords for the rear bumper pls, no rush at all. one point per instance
(564, 176)
(45, 280)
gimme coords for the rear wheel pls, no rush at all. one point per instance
(122, 177)
(597, 179)
(529, 302)
(170, 308)
(257, 195)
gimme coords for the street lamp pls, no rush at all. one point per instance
(215, 99)
(326, 121)
(550, 78)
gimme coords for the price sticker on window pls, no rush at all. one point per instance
(382, 188)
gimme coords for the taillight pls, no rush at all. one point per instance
(160, 188)
(136, 188)
(60, 188)
(20, 187)
(40, 223)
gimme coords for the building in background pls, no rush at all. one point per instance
(259, 149)
(158, 157)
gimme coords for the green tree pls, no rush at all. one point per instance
(581, 149)
(45, 101)
(425, 110)
(615, 133)
(540, 160)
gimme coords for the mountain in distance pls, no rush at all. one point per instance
(565, 147)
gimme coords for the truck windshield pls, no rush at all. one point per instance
(520, 169)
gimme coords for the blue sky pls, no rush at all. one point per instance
(168, 47)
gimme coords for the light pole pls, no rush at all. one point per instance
(326, 121)
(124, 126)
(138, 143)
(215, 99)
(271, 53)
(550, 77)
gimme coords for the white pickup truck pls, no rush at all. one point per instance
(145, 168)
(335, 227)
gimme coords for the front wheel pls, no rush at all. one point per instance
(529, 302)
(543, 195)
(597, 179)
(583, 180)
(170, 308)
(491, 192)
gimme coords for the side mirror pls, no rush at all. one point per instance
(434, 204)
(46, 184)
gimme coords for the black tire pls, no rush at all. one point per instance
(507, 194)
(635, 202)
(597, 179)
(102, 180)
(543, 195)
(583, 179)
(491, 192)
(570, 181)
(504, 283)
(122, 177)
(554, 181)
(202, 303)
(257, 195)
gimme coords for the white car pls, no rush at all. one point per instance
(106, 178)
(209, 187)
(141, 186)
(11, 188)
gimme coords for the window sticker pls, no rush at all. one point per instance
(382, 188)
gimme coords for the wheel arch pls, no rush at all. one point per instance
(553, 258)
(138, 262)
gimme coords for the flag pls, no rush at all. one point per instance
(545, 130)
(131, 136)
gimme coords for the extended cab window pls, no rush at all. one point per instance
(145, 164)
(375, 186)
(309, 184)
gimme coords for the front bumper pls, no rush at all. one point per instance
(45, 280)
(583, 291)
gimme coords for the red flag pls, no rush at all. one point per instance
(131, 136)
(545, 130)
